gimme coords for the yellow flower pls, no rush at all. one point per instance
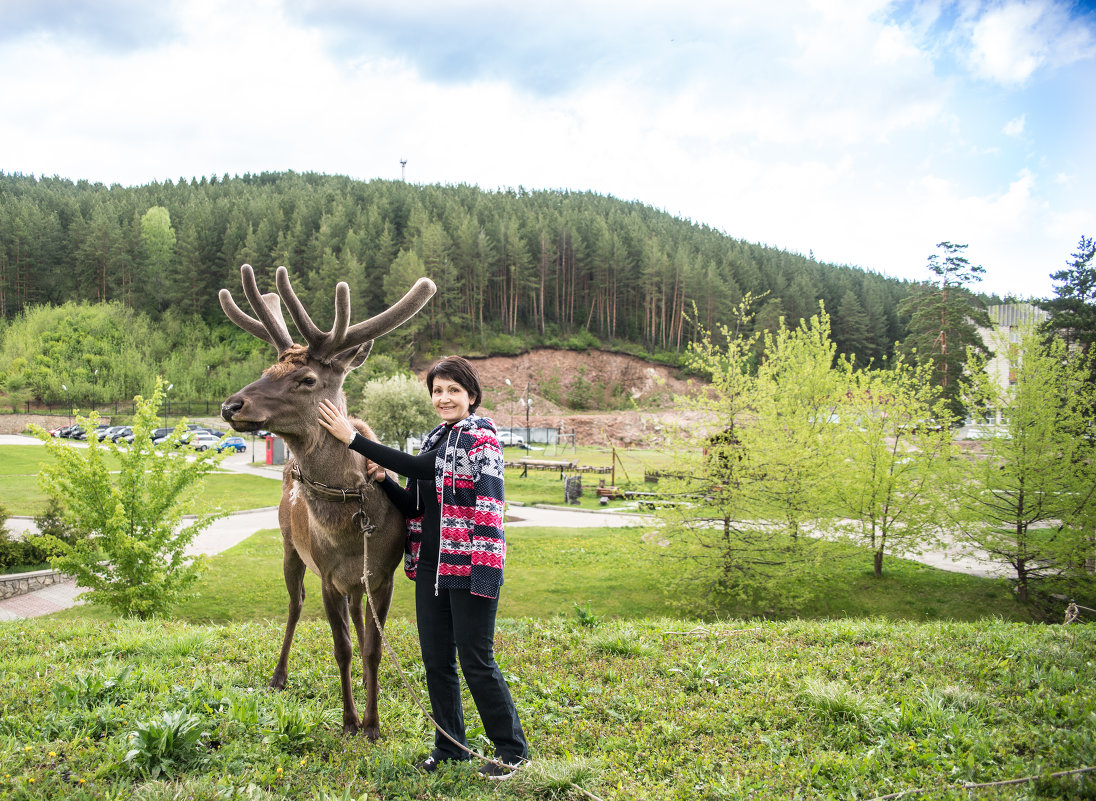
(53, 753)
(82, 781)
(31, 781)
(279, 770)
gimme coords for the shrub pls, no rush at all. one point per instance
(132, 558)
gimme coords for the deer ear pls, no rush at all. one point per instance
(354, 357)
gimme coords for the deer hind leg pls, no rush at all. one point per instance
(335, 604)
(293, 569)
(369, 639)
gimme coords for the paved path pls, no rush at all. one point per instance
(235, 528)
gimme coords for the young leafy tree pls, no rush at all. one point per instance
(131, 557)
(758, 488)
(943, 320)
(1029, 499)
(895, 437)
(397, 407)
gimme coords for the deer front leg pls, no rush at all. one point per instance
(372, 651)
(334, 603)
(293, 569)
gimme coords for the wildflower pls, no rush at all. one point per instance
(279, 770)
(53, 753)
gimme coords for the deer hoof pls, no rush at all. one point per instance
(277, 681)
(350, 727)
(372, 732)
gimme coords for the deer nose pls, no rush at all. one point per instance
(230, 407)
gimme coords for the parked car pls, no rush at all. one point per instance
(233, 443)
(71, 432)
(201, 440)
(510, 438)
(122, 433)
(95, 432)
(109, 432)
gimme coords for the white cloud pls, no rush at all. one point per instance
(1015, 126)
(1011, 41)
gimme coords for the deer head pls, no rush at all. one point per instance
(285, 399)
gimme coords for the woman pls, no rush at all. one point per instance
(455, 553)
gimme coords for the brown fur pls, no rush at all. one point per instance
(320, 534)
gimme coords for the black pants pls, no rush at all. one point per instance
(453, 623)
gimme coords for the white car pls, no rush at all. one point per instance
(510, 438)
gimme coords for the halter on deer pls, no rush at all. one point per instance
(321, 530)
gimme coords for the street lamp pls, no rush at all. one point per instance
(68, 397)
(510, 392)
(169, 386)
(527, 402)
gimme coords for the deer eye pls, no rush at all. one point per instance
(308, 381)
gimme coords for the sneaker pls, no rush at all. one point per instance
(429, 765)
(497, 771)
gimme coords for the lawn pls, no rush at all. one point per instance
(609, 574)
(658, 708)
(19, 465)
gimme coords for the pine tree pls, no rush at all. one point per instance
(943, 320)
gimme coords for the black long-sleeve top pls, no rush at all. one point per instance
(418, 498)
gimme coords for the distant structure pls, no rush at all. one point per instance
(403, 170)
(1010, 321)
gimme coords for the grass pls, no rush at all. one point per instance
(610, 574)
(655, 709)
(233, 492)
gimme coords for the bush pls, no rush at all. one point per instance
(21, 554)
(133, 558)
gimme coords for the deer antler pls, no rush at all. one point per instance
(342, 335)
(271, 326)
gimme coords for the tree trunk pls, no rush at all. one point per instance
(878, 563)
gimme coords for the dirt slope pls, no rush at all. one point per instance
(599, 379)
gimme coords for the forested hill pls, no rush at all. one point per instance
(537, 266)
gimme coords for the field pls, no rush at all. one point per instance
(655, 709)
(232, 492)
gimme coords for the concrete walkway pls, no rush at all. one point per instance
(235, 528)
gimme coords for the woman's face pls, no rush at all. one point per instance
(451, 400)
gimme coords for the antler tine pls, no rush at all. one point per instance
(312, 335)
(270, 327)
(274, 323)
(392, 317)
(342, 318)
(242, 319)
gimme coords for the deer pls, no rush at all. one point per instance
(332, 517)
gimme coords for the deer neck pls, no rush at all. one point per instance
(325, 459)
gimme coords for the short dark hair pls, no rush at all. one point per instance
(459, 369)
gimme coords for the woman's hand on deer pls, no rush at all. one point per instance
(332, 418)
(375, 471)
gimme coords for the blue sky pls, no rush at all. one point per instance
(864, 131)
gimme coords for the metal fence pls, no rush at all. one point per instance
(172, 408)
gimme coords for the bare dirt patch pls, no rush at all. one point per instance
(601, 379)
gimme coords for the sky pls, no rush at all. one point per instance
(862, 131)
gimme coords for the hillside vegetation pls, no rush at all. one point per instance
(513, 267)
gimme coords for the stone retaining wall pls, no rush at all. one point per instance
(21, 583)
(17, 423)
